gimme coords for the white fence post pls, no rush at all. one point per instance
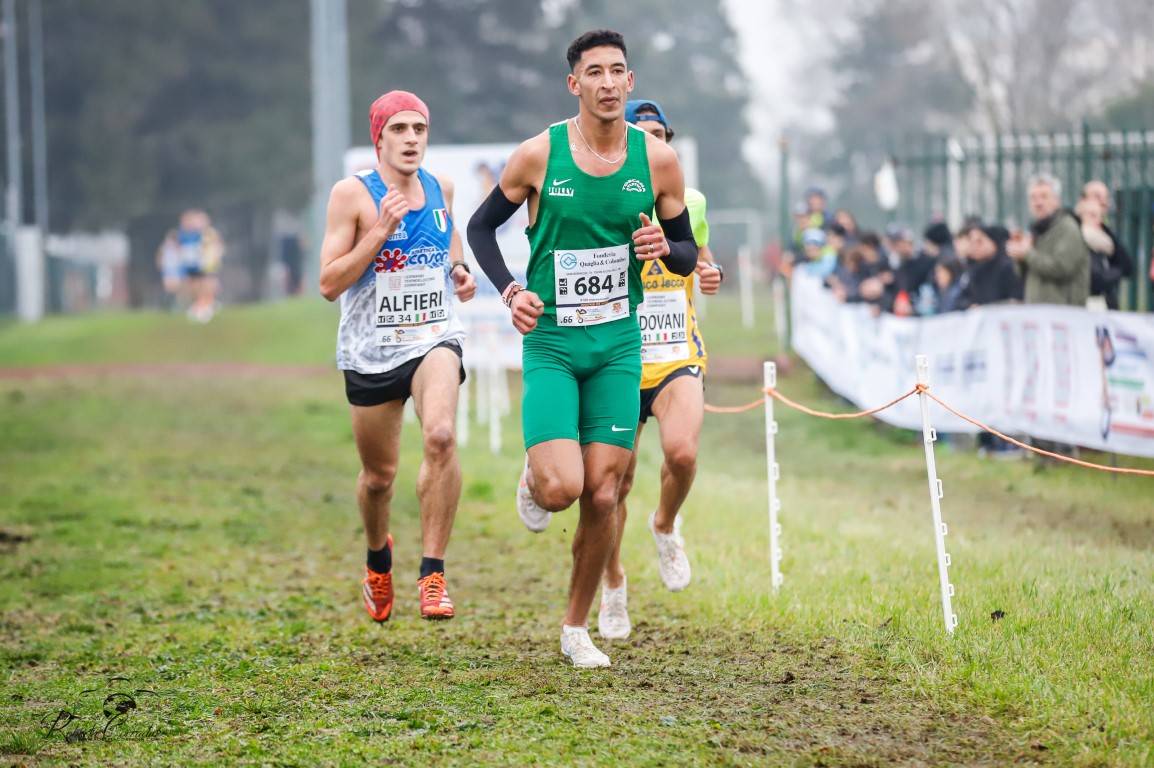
(772, 473)
(929, 436)
(27, 245)
(745, 280)
(493, 370)
(780, 320)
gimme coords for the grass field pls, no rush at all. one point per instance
(192, 540)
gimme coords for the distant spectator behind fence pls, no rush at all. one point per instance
(848, 223)
(862, 274)
(991, 277)
(1054, 257)
(1110, 262)
(815, 201)
(820, 255)
(949, 287)
(809, 214)
(912, 270)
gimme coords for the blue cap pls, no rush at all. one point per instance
(633, 106)
(813, 236)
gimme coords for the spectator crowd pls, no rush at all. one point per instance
(1066, 256)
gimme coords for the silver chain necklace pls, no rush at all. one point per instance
(577, 125)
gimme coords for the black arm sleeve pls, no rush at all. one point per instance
(482, 234)
(682, 258)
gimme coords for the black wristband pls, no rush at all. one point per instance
(460, 264)
(682, 258)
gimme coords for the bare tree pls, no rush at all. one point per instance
(1035, 64)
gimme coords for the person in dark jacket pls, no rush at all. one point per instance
(991, 277)
(913, 270)
(938, 241)
(1110, 262)
(949, 286)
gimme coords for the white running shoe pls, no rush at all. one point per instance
(535, 517)
(613, 617)
(671, 559)
(578, 647)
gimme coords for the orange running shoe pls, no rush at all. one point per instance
(435, 601)
(378, 591)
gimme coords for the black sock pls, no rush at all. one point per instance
(381, 560)
(431, 565)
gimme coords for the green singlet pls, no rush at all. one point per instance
(582, 363)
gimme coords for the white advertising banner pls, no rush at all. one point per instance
(1056, 373)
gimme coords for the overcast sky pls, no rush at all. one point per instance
(778, 45)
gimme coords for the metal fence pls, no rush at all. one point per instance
(946, 177)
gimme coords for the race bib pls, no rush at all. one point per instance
(664, 329)
(411, 306)
(592, 285)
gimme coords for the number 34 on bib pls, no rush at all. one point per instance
(411, 306)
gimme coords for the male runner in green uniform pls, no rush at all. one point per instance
(591, 183)
(673, 359)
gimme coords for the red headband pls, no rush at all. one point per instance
(390, 104)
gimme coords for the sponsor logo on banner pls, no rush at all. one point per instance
(1071, 375)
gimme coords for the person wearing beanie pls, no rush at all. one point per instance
(393, 257)
(672, 392)
(938, 241)
(991, 275)
(991, 278)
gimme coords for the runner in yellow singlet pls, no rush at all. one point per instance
(673, 358)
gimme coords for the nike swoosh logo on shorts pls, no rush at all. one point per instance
(616, 428)
(563, 181)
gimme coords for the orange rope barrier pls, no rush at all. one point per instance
(798, 406)
(734, 408)
(920, 389)
(1039, 451)
(823, 415)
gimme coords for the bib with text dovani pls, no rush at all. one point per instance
(592, 285)
(411, 306)
(664, 331)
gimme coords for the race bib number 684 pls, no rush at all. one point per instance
(592, 285)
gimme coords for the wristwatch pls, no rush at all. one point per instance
(460, 264)
(720, 271)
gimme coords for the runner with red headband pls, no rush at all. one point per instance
(393, 257)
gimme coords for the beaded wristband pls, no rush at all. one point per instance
(511, 290)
